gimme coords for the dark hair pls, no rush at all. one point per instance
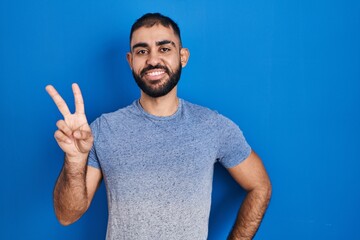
(150, 19)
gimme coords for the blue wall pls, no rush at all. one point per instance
(288, 72)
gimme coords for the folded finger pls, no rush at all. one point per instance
(59, 101)
(62, 126)
(82, 135)
(61, 137)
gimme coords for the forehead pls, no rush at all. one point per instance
(154, 34)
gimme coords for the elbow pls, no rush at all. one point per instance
(269, 193)
(267, 189)
(263, 191)
(65, 222)
(66, 219)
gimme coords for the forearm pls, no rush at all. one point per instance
(250, 215)
(70, 193)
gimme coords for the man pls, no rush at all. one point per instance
(157, 155)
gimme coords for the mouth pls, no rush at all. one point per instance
(154, 74)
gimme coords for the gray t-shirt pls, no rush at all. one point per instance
(158, 170)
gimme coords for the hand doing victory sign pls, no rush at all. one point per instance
(74, 134)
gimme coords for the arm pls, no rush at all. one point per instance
(252, 176)
(74, 191)
(77, 183)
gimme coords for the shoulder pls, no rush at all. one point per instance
(115, 118)
(206, 114)
(120, 113)
(199, 111)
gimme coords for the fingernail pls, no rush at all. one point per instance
(77, 134)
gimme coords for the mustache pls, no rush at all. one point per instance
(150, 67)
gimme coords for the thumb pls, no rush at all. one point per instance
(82, 135)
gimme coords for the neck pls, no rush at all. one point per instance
(162, 106)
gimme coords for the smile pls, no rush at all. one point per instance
(155, 73)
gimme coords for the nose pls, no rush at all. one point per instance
(153, 59)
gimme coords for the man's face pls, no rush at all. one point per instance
(156, 59)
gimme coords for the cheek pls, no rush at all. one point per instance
(137, 65)
(175, 62)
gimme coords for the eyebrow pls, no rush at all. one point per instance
(163, 42)
(159, 43)
(141, 44)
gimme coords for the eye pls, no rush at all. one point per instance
(141, 52)
(164, 50)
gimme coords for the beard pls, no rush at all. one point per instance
(155, 90)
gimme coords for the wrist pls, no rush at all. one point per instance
(80, 159)
(74, 168)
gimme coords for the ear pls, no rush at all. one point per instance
(184, 56)
(129, 59)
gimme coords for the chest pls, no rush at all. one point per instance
(161, 160)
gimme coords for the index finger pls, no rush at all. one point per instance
(79, 102)
(58, 100)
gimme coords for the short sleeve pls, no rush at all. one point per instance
(93, 160)
(233, 147)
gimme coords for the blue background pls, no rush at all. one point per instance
(288, 72)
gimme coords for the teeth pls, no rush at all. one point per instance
(155, 73)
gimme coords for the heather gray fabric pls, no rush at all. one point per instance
(158, 170)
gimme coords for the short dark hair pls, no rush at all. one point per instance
(150, 19)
